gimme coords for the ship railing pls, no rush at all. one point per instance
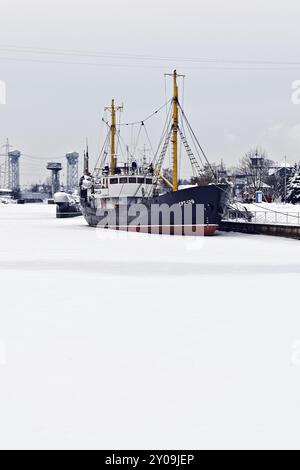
(265, 217)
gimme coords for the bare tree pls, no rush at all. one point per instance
(256, 167)
(207, 175)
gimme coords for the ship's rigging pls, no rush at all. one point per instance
(177, 130)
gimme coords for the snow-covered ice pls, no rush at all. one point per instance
(127, 341)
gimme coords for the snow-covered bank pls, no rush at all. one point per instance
(284, 214)
(285, 208)
(130, 341)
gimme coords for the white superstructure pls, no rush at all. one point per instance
(129, 186)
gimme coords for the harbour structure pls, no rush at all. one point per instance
(72, 172)
(10, 169)
(55, 169)
(4, 166)
(14, 170)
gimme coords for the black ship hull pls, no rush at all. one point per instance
(192, 211)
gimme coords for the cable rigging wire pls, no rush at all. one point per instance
(195, 144)
(164, 133)
(121, 140)
(148, 117)
(139, 57)
(102, 153)
(149, 141)
(197, 141)
(118, 133)
(166, 97)
(138, 139)
(183, 97)
(135, 142)
(41, 159)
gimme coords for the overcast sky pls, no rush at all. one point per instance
(55, 101)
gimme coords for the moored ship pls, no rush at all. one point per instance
(140, 198)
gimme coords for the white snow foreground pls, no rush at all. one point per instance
(127, 341)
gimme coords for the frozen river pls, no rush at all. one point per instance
(112, 340)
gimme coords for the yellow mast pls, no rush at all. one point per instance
(175, 129)
(113, 138)
(175, 133)
(113, 129)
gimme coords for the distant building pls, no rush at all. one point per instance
(31, 196)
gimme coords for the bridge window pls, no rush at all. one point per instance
(132, 180)
(114, 181)
(141, 180)
(123, 180)
(148, 181)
